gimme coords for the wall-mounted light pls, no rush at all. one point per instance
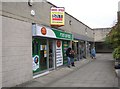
(32, 12)
(30, 2)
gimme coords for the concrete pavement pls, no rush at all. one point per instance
(55, 75)
(99, 73)
(87, 73)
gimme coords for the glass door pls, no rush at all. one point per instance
(51, 54)
(43, 54)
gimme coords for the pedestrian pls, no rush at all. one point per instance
(68, 54)
(93, 53)
(72, 57)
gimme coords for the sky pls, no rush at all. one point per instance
(93, 13)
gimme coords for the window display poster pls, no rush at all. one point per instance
(59, 55)
(43, 47)
(35, 63)
(45, 53)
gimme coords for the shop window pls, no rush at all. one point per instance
(35, 47)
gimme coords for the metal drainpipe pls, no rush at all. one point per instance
(86, 49)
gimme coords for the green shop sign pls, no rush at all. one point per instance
(50, 32)
(63, 35)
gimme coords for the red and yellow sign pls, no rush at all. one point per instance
(57, 16)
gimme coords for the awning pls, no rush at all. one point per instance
(82, 37)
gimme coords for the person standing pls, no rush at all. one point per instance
(72, 57)
(93, 53)
(68, 54)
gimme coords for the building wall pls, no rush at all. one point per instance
(16, 52)
(118, 13)
(102, 48)
(76, 26)
(0, 46)
(100, 34)
(0, 51)
(42, 16)
(118, 16)
(21, 10)
(119, 6)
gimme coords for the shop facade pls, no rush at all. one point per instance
(82, 45)
(36, 52)
(75, 47)
(49, 47)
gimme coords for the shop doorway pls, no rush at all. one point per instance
(51, 54)
(82, 49)
(75, 47)
(43, 54)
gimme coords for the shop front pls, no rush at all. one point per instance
(48, 48)
(75, 47)
(79, 45)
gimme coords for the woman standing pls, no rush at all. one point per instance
(93, 53)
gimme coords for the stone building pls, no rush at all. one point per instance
(99, 38)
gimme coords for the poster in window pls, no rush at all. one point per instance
(45, 53)
(35, 63)
(59, 54)
(43, 47)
